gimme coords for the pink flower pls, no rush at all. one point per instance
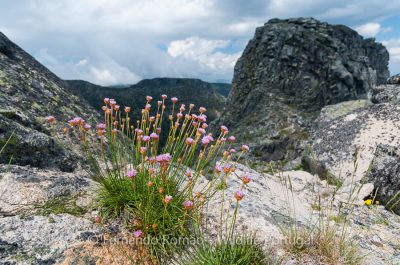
(143, 150)
(167, 199)
(87, 127)
(97, 219)
(158, 130)
(159, 103)
(245, 148)
(149, 184)
(239, 195)
(76, 121)
(188, 173)
(164, 96)
(179, 115)
(101, 126)
(246, 179)
(189, 141)
(127, 109)
(224, 129)
(202, 118)
(202, 109)
(163, 159)
(174, 100)
(131, 173)
(152, 118)
(205, 140)
(233, 150)
(116, 107)
(182, 108)
(149, 98)
(148, 106)
(137, 233)
(201, 130)
(146, 138)
(218, 169)
(227, 169)
(112, 102)
(188, 205)
(106, 100)
(50, 119)
(191, 106)
(154, 136)
(204, 125)
(138, 131)
(231, 139)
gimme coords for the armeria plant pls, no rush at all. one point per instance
(152, 184)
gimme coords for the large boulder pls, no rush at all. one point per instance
(346, 145)
(389, 92)
(384, 172)
(289, 71)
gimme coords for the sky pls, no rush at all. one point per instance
(111, 42)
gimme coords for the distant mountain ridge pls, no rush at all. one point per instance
(188, 90)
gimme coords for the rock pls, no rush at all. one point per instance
(386, 94)
(331, 112)
(40, 239)
(394, 80)
(288, 72)
(384, 172)
(352, 138)
(28, 93)
(23, 189)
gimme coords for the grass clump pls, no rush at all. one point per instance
(61, 204)
(242, 250)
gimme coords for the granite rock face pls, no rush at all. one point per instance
(394, 80)
(389, 92)
(28, 93)
(384, 172)
(289, 71)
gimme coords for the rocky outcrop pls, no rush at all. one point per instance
(389, 92)
(346, 145)
(384, 172)
(289, 71)
(28, 93)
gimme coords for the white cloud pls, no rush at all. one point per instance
(205, 52)
(369, 29)
(118, 41)
(393, 46)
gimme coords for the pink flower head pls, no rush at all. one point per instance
(149, 98)
(188, 205)
(163, 96)
(143, 150)
(232, 150)
(191, 106)
(204, 125)
(205, 140)
(189, 141)
(148, 106)
(223, 140)
(101, 127)
(195, 124)
(97, 219)
(138, 131)
(231, 138)
(188, 173)
(87, 127)
(202, 109)
(167, 199)
(158, 130)
(245, 148)
(239, 195)
(154, 136)
(112, 102)
(152, 118)
(194, 116)
(146, 138)
(159, 103)
(179, 115)
(202, 118)
(106, 100)
(137, 233)
(246, 179)
(210, 137)
(116, 107)
(182, 108)
(50, 119)
(163, 159)
(131, 173)
(218, 169)
(174, 100)
(127, 109)
(201, 130)
(224, 129)
(149, 184)
(227, 169)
